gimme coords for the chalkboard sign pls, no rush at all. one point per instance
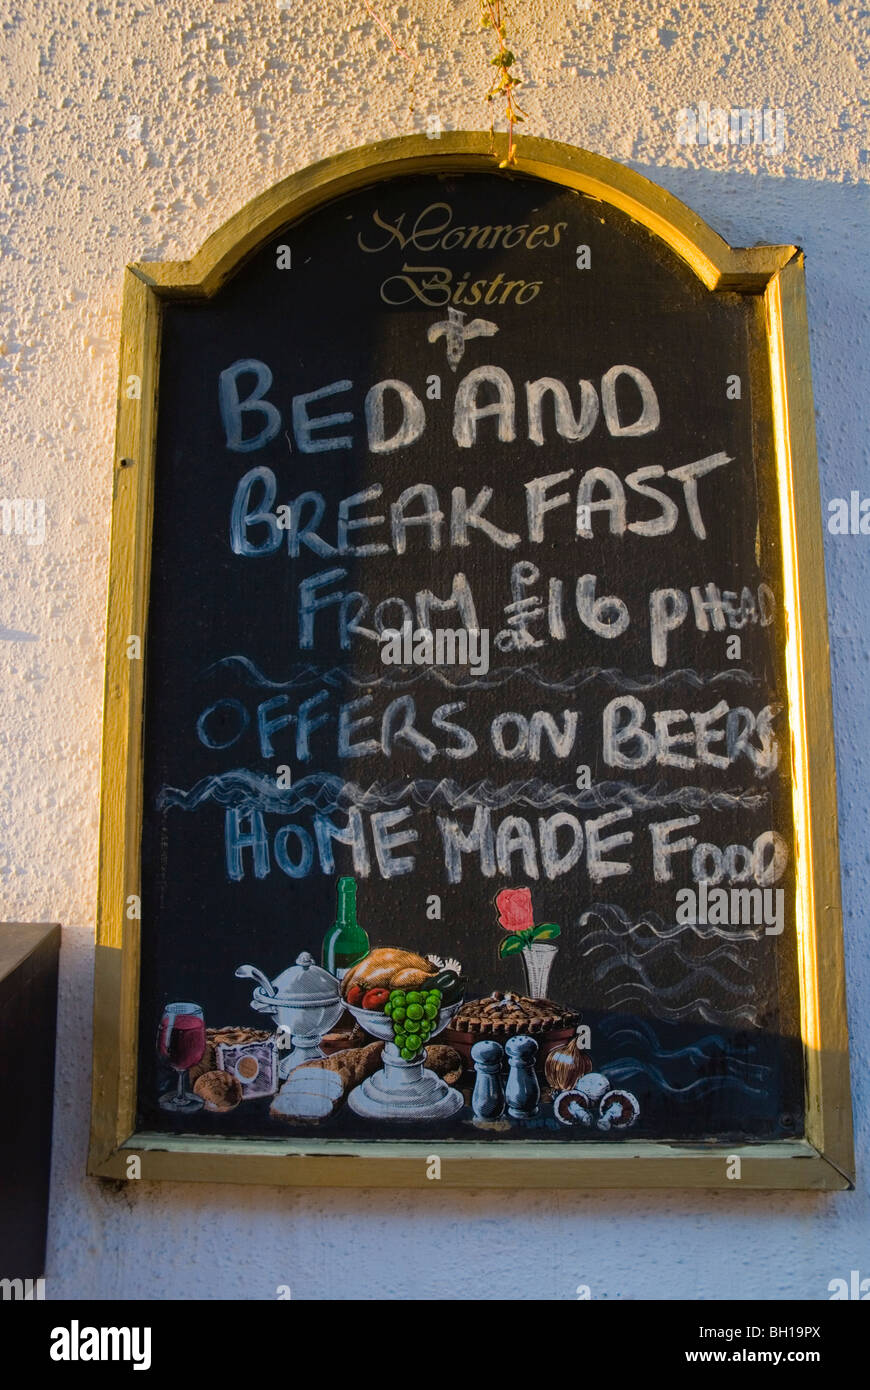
(470, 803)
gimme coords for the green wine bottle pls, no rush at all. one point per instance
(346, 941)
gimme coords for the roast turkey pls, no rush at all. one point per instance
(389, 968)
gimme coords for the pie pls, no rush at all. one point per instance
(502, 1015)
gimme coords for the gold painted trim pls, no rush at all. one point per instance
(820, 920)
(824, 1160)
(718, 265)
(383, 1164)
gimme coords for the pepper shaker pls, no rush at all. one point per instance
(522, 1092)
(487, 1100)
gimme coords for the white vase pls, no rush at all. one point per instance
(538, 962)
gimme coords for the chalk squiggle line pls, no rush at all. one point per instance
(613, 1026)
(619, 946)
(694, 976)
(335, 676)
(621, 1071)
(644, 1030)
(651, 921)
(703, 1008)
(638, 960)
(247, 791)
(721, 1052)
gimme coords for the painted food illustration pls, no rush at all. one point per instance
(413, 1014)
(385, 968)
(519, 1049)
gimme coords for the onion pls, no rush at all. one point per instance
(566, 1064)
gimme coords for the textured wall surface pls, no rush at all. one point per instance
(130, 131)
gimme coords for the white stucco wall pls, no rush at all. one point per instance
(231, 96)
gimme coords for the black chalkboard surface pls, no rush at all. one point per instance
(497, 406)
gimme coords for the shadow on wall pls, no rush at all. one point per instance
(828, 221)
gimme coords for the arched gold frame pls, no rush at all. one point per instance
(823, 1160)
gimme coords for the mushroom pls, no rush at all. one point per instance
(573, 1108)
(593, 1085)
(617, 1110)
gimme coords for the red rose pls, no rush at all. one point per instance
(514, 906)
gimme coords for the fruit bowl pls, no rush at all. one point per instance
(404, 1089)
(380, 1025)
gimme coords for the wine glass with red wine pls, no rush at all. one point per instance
(181, 1043)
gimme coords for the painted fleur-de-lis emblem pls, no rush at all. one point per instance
(457, 332)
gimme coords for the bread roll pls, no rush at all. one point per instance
(315, 1090)
(445, 1062)
(354, 1064)
(218, 1090)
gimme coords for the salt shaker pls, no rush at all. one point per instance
(522, 1092)
(487, 1100)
